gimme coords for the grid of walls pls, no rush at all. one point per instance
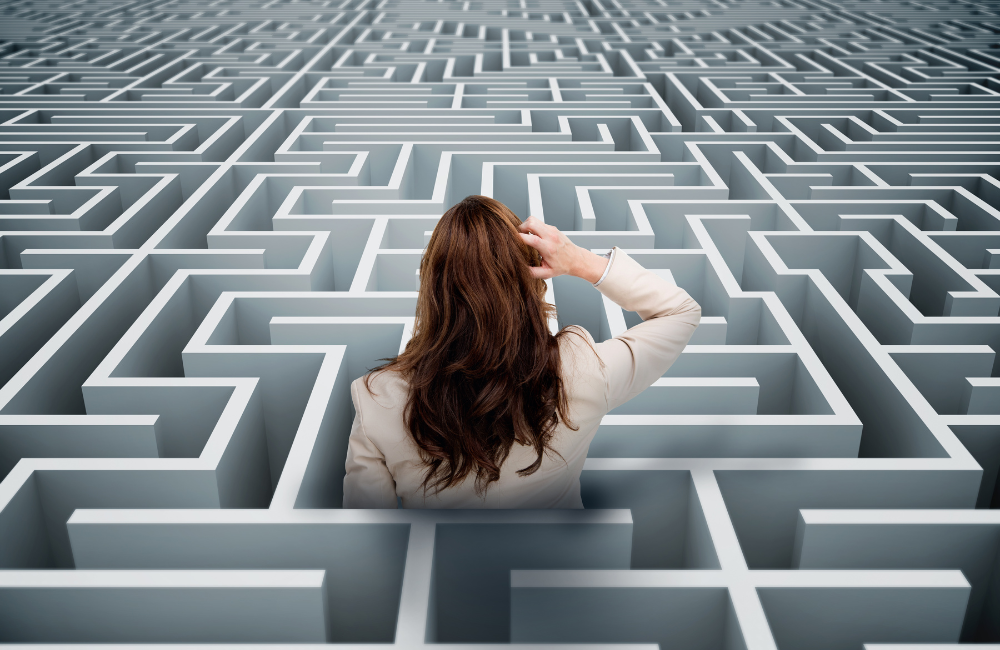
(211, 217)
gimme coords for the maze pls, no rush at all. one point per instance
(211, 217)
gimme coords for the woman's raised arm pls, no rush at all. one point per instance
(639, 356)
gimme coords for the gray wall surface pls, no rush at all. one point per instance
(211, 218)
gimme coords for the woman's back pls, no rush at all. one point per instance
(384, 462)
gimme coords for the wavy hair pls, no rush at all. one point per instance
(482, 365)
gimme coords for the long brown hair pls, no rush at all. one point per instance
(482, 365)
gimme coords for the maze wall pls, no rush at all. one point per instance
(211, 217)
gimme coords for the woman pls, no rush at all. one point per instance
(485, 408)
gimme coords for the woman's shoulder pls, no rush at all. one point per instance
(578, 352)
(380, 405)
(578, 332)
(582, 373)
(387, 389)
(576, 340)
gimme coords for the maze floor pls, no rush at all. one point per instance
(211, 216)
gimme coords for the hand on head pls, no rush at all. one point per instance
(560, 256)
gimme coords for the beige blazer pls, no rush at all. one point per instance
(383, 462)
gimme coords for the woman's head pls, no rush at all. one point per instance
(482, 366)
(475, 281)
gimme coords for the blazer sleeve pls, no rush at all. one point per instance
(368, 482)
(639, 356)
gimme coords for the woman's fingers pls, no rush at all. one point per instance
(555, 248)
(530, 239)
(534, 225)
(543, 237)
(535, 242)
(540, 272)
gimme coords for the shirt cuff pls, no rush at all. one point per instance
(608, 267)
